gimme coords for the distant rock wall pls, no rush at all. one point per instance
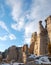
(12, 54)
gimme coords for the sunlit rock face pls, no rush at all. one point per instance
(33, 41)
(39, 42)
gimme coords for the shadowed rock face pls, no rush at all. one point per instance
(12, 54)
(0, 58)
(15, 53)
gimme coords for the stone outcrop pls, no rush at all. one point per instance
(19, 54)
(12, 54)
(33, 41)
(25, 53)
(39, 42)
(43, 40)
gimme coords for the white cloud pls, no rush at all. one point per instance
(2, 25)
(29, 29)
(12, 37)
(40, 9)
(7, 36)
(27, 40)
(16, 8)
(20, 45)
(3, 38)
(18, 26)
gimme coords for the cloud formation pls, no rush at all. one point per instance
(12, 37)
(16, 6)
(19, 25)
(3, 38)
(7, 36)
(38, 10)
(2, 25)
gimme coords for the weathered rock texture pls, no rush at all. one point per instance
(12, 54)
(39, 42)
(25, 53)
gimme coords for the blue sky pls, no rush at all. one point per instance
(19, 19)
